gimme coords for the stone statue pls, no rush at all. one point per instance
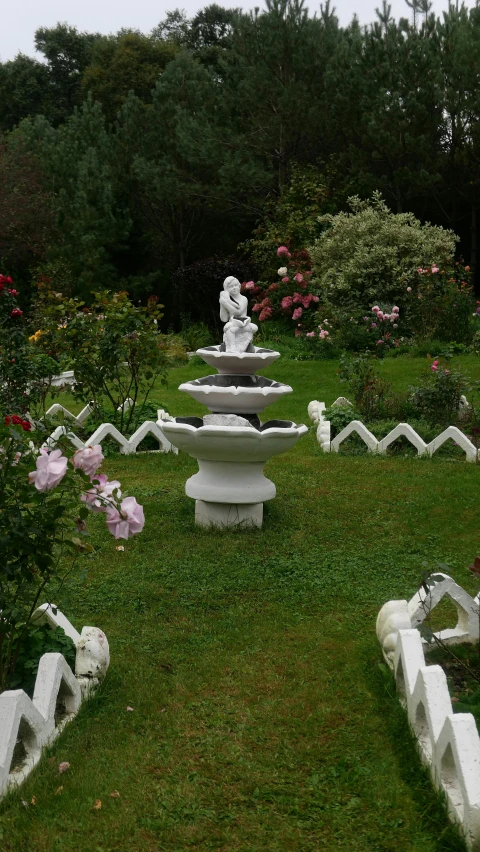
(238, 330)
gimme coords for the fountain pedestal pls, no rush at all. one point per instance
(224, 515)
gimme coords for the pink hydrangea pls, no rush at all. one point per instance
(265, 314)
(298, 277)
(297, 299)
(297, 313)
(88, 459)
(257, 308)
(51, 468)
(249, 285)
(282, 251)
(285, 279)
(126, 521)
(287, 302)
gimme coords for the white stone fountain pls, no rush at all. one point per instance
(231, 445)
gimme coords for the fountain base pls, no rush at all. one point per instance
(224, 515)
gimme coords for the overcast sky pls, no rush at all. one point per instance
(20, 18)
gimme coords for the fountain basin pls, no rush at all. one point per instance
(237, 363)
(233, 444)
(227, 393)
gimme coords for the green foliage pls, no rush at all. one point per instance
(39, 640)
(440, 304)
(372, 254)
(339, 417)
(24, 371)
(114, 348)
(438, 399)
(373, 395)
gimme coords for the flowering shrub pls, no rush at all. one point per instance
(371, 253)
(24, 371)
(438, 400)
(114, 348)
(439, 303)
(45, 500)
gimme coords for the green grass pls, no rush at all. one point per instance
(262, 719)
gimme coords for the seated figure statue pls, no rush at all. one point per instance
(238, 330)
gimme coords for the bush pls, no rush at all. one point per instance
(114, 348)
(439, 304)
(372, 254)
(438, 400)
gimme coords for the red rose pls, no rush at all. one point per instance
(26, 425)
(13, 292)
(7, 420)
(17, 420)
(16, 313)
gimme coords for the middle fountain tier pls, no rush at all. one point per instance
(231, 444)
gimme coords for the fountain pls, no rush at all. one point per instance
(231, 444)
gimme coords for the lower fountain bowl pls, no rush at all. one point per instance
(236, 445)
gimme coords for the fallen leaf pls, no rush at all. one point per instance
(59, 789)
(129, 709)
(115, 795)
(33, 800)
(63, 767)
(98, 804)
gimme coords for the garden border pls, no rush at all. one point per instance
(448, 743)
(33, 720)
(379, 447)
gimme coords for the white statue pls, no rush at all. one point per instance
(238, 330)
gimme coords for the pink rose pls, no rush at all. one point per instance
(379, 342)
(51, 468)
(323, 333)
(297, 313)
(310, 334)
(395, 310)
(435, 269)
(129, 521)
(283, 251)
(315, 299)
(374, 324)
(89, 459)
(249, 285)
(409, 289)
(380, 315)
(101, 494)
(298, 277)
(375, 309)
(285, 280)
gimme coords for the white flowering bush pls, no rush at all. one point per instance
(371, 255)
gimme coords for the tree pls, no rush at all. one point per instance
(24, 90)
(124, 63)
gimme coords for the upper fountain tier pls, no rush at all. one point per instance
(245, 363)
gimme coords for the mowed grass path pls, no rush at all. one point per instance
(261, 719)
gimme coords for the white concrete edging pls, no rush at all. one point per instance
(32, 721)
(316, 412)
(448, 742)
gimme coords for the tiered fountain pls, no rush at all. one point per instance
(231, 444)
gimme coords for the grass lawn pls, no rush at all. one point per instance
(261, 718)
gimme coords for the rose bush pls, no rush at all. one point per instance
(45, 501)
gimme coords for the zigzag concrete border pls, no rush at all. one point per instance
(316, 412)
(127, 445)
(448, 742)
(32, 721)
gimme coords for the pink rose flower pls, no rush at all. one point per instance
(101, 495)
(51, 468)
(435, 269)
(434, 368)
(285, 279)
(249, 285)
(374, 324)
(323, 333)
(380, 315)
(375, 309)
(409, 289)
(379, 342)
(297, 313)
(127, 521)
(89, 459)
(310, 334)
(298, 277)
(395, 310)
(283, 251)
